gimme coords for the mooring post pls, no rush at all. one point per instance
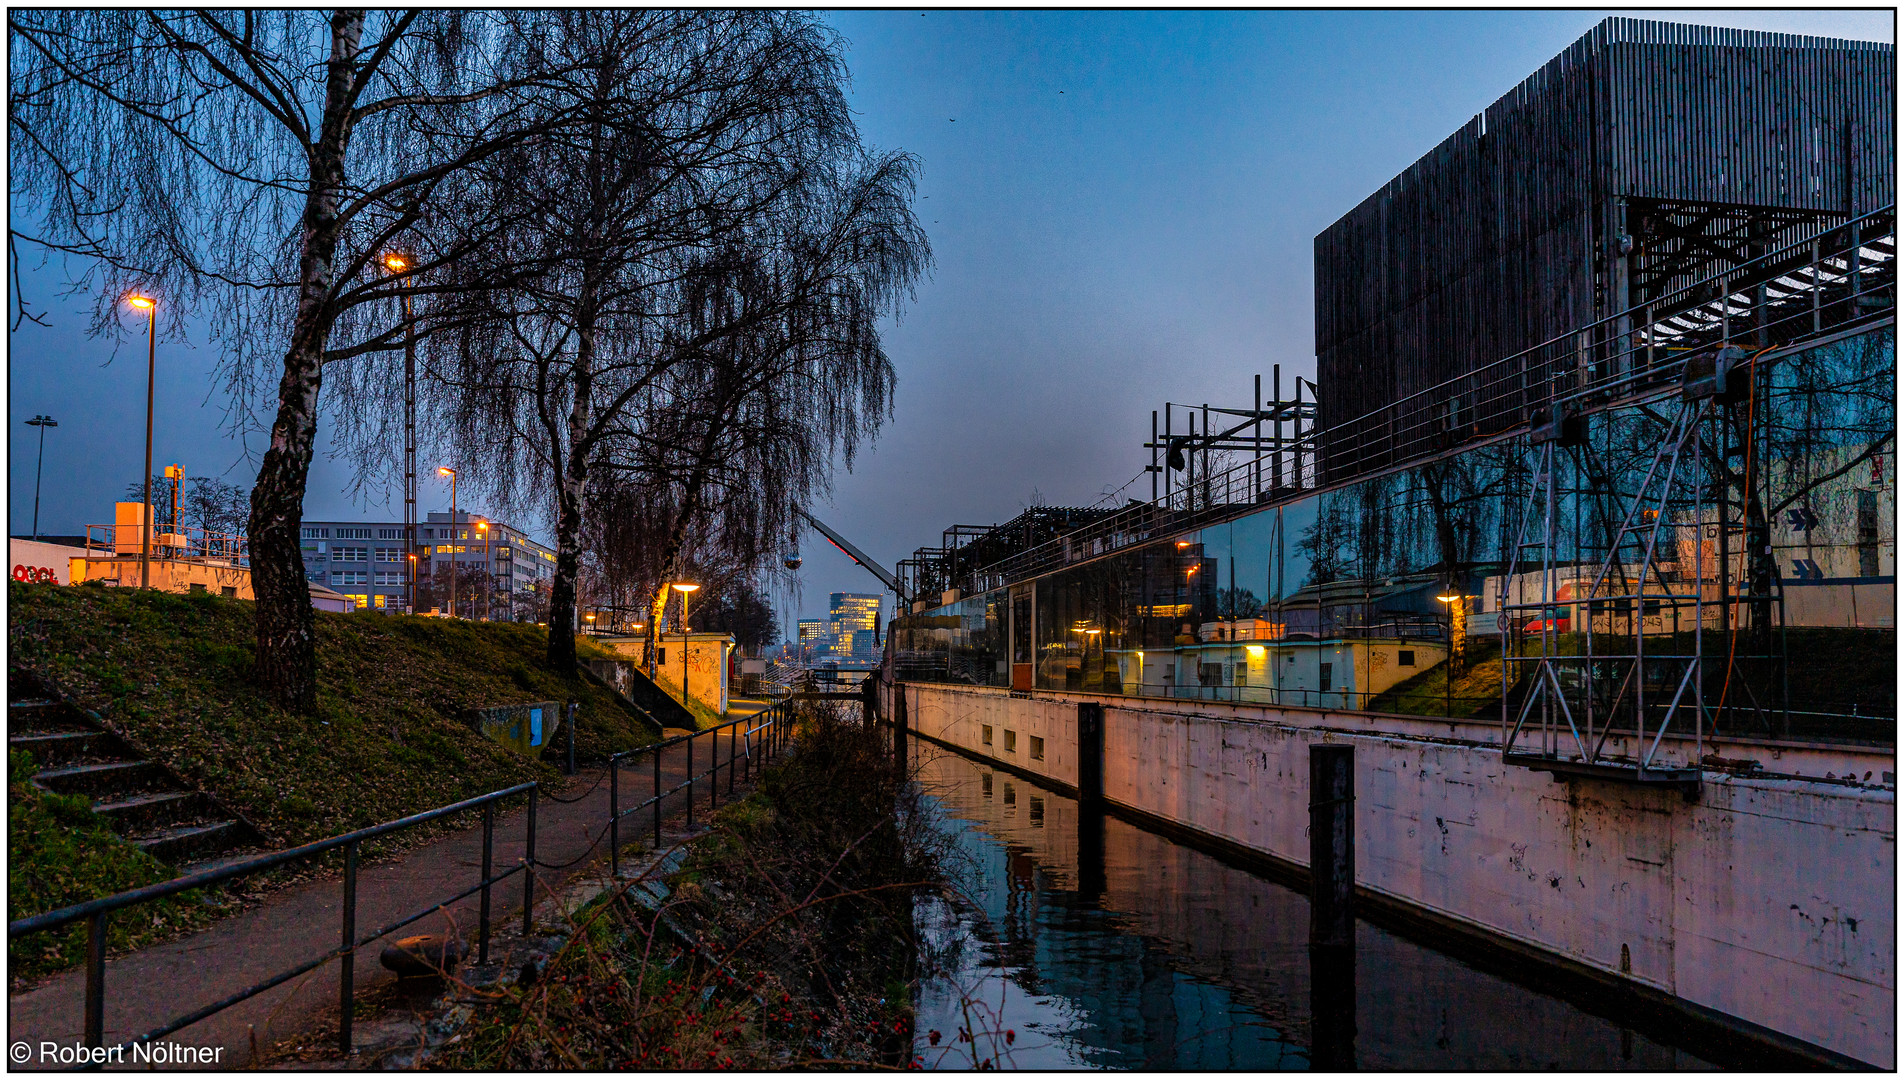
(1090, 800)
(900, 720)
(1091, 752)
(1331, 844)
(1332, 905)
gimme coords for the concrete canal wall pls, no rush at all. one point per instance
(1770, 901)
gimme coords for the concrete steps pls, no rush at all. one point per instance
(142, 799)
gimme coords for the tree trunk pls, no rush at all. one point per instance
(568, 564)
(286, 660)
(574, 486)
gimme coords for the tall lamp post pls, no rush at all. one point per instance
(397, 263)
(413, 562)
(455, 534)
(41, 422)
(483, 527)
(685, 589)
(151, 309)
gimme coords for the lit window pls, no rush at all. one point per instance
(380, 599)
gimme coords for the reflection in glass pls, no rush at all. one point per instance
(1387, 594)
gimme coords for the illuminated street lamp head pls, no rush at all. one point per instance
(1183, 543)
(445, 470)
(590, 616)
(685, 587)
(1449, 592)
(143, 303)
(395, 263)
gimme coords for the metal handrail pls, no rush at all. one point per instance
(775, 721)
(95, 912)
(772, 726)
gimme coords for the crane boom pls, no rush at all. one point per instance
(846, 548)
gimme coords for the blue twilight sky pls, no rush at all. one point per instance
(1122, 207)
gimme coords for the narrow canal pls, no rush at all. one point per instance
(1135, 952)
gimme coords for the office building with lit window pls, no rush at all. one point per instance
(853, 623)
(366, 561)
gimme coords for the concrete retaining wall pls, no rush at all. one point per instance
(1770, 900)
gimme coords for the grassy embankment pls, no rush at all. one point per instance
(171, 673)
(801, 898)
(59, 852)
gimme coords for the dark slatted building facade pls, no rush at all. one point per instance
(1647, 156)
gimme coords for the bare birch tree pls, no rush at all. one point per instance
(709, 137)
(253, 165)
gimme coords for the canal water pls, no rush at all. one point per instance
(1130, 951)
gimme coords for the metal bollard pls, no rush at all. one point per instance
(614, 818)
(656, 755)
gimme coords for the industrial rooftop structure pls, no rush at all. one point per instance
(1647, 157)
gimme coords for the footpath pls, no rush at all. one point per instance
(150, 987)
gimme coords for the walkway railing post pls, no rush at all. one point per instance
(96, 979)
(656, 756)
(614, 818)
(733, 737)
(690, 745)
(528, 870)
(572, 706)
(482, 917)
(348, 967)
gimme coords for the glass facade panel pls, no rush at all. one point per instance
(1424, 592)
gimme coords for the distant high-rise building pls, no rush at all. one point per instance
(854, 625)
(813, 633)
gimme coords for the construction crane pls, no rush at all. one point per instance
(846, 547)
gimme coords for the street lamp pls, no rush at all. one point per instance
(483, 527)
(41, 422)
(397, 263)
(151, 309)
(685, 588)
(413, 582)
(445, 470)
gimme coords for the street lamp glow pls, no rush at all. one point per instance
(143, 303)
(445, 470)
(684, 586)
(395, 263)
